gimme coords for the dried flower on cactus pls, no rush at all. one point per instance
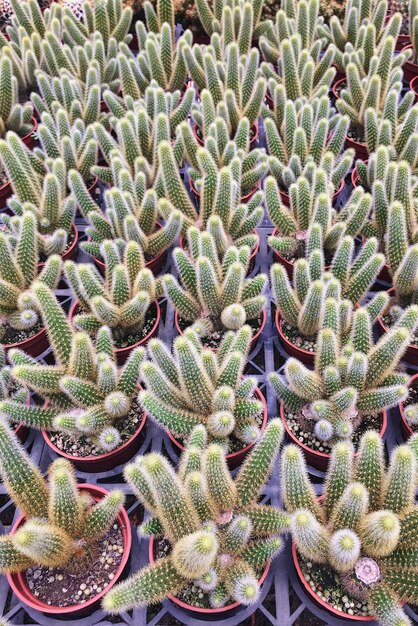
(220, 539)
(365, 525)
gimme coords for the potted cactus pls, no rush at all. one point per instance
(12, 390)
(352, 385)
(20, 323)
(220, 540)
(356, 544)
(198, 386)
(322, 298)
(124, 299)
(50, 554)
(215, 293)
(110, 18)
(91, 414)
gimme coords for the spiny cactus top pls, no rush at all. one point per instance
(19, 311)
(61, 521)
(194, 385)
(121, 299)
(353, 377)
(215, 291)
(364, 528)
(325, 299)
(86, 391)
(310, 200)
(219, 538)
(302, 135)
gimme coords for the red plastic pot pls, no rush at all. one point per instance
(306, 357)
(319, 460)
(410, 70)
(243, 200)
(19, 586)
(413, 86)
(411, 353)
(197, 609)
(34, 346)
(123, 353)
(234, 459)
(284, 196)
(253, 340)
(254, 128)
(405, 427)
(106, 461)
(70, 253)
(318, 601)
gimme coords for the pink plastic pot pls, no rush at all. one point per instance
(253, 340)
(410, 70)
(235, 458)
(19, 586)
(411, 353)
(317, 600)
(319, 460)
(306, 357)
(197, 609)
(405, 427)
(123, 353)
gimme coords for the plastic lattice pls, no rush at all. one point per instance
(283, 602)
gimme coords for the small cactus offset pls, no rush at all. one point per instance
(121, 299)
(19, 311)
(353, 377)
(195, 386)
(59, 529)
(217, 292)
(363, 527)
(210, 520)
(300, 136)
(87, 393)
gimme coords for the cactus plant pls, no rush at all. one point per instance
(19, 313)
(195, 386)
(9, 388)
(352, 378)
(121, 300)
(301, 135)
(214, 291)
(364, 526)
(87, 394)
(240, 21)
(13, 116)
(108, 17)
(61, 523)
(210, 521)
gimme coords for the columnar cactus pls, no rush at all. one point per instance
(61, 521)
(110, 18)
(86, 391)
(18, 271)
(310, 203)
(217, 292)
(352, 378)
(301, 135)
(9, 388)
(121, 299)
(364, 527)
(240, 21)
(13, 116)
(220, 538)
(195, 386)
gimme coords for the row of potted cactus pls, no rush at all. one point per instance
(157, 143)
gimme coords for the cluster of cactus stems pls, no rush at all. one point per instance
(61, 521)
(365, 526)
(85, 390)
(353, 377)
(194, 385)
(13, 116)
(214, 291)
(220, 538)
(10, 389)
(239, 21)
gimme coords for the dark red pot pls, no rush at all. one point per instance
(413, 86)
(410, 70)
(306, 357)
(197, 609)
(18, 583)
(411, 353)
(34, 346)
(123, 353)
(235, 458)
(405, 427)
(319, 460)
(284, 196)
(254, 128)
(254, 340)
(318, 601)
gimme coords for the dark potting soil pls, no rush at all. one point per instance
(79, 580)
(85, 446)
(293, 335)
(327, 585)
(16, 336)
(368, 422)
(214, 340)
